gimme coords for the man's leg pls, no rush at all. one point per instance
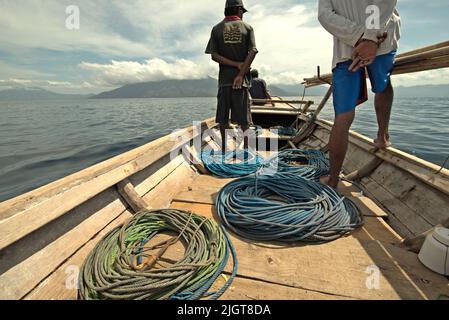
(383, 103)
(245, 129)
(338, 146)
(224, 137)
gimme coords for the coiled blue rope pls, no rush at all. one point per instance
(287, 208)
(231, 164)
(309, 164)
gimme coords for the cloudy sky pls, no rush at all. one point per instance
(121, 42)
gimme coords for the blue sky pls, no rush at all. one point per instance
(122, 42)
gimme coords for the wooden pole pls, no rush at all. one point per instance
(309, 126)
(424, 59)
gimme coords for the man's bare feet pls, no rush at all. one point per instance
(382, 143)
(326, 180)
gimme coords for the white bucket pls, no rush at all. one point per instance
(435, 251)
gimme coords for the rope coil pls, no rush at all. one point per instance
(114, 269)
(231, 164)
(286, 208)
(308, 164)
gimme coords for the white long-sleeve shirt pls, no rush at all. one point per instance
(350, 20)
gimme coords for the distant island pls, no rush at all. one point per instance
(196, 88)
(33, 93)
(181, 89)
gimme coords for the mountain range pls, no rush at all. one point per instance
(197, 88)
(34, 93)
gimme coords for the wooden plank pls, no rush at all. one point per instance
(413, 223)
(58, 286)
(245, 289)
(367, 207)
(343, 267)
(210, 182)
(21, 279)
(205, 196)
(204, 210)
(423, 170)
(130, 195)
(430, 204)
(28, 213)
(163, 194)
(148, 179)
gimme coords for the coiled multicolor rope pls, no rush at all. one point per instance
(114, 269)
(309, 164)
(287, 208)
(232, 164)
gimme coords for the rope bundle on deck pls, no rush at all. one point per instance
(120, 266)
(287, 208)
(308, 164)
(231, 164)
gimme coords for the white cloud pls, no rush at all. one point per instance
(156, 40)
(125, 72)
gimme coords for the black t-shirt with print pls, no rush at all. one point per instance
(232, 40)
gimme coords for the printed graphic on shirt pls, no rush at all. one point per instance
(232, 34)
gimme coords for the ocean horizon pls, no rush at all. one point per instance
(43, 141)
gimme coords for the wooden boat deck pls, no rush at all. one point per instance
(336, 270)
(342, 269)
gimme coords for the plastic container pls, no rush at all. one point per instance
(435, 251)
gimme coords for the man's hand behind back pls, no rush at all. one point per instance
(365, 52)
(238, 83)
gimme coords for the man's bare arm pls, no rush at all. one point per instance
(225, 61)
(238, 81)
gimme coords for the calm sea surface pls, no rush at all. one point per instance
(43, 141)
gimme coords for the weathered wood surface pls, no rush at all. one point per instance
(62, 283)
(341, 269)
(425, 171)
(27, 213)
(130, 195)
(415, 204)
(24, 277)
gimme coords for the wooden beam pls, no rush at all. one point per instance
(366, 170)
(425, 49)
(268, 101)
(414, 244)
(309, 126)
(129, 193)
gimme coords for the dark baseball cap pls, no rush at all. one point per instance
(235, 3)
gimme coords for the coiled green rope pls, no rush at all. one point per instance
(113, 270)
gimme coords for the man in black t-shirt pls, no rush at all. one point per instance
(233, 46)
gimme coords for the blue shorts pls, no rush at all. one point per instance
(350, 88)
